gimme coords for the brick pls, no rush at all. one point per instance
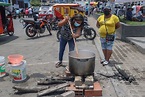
(97, 91)
(68, 73)
(73, 88)
(68, 94)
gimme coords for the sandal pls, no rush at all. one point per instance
(58, 64)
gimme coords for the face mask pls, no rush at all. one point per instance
(76, 24)
(106, 12)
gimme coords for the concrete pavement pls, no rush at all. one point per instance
(41, 55)
(128, 57)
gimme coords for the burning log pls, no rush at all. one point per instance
(52, 89)
(29, 89)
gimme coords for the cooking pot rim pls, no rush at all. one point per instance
(93, 54)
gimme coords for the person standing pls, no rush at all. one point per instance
(139, 15)
(107, 24)
(30, 12)
(134, 11)
(26, 12)
(76, 23)
(46, 19)
(86, 9)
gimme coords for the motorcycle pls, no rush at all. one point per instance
(88, 32)
(35, 27)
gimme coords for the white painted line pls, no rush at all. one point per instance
(41, 63)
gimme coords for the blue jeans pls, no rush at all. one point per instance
(106, 45)
(62, 46)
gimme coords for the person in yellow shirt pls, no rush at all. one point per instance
(107, 24)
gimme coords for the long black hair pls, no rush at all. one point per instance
(77, 17)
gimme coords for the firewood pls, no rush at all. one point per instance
(28, 89)
(64, 78)
(49, 82)
(52, 89)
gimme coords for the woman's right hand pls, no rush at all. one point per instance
(66, 18)
(64, 21)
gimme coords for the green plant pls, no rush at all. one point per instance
(35, 2)
(132, 23)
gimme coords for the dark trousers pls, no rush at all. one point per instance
(62, 46)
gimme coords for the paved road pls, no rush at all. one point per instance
(42, 53)
(129, 58)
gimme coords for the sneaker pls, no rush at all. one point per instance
(102, 61)
(105, 63)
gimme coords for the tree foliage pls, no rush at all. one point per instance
(35, 2)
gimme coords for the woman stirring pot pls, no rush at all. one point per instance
(76, 22)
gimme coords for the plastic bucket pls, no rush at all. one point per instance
(2, 66)
(15, 59)
(18, 71)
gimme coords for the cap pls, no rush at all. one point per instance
(79, 17)
(107, 7)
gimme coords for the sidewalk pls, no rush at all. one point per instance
(128, 57)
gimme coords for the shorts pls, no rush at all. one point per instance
(106, 45)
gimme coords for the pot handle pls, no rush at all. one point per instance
(83, 60)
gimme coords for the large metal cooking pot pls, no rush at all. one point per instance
(82, 64)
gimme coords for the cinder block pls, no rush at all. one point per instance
(89, 80)
(78, 81)
(97, 91)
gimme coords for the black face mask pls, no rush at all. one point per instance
(106, 12)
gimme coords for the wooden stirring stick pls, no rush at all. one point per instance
(77, 53)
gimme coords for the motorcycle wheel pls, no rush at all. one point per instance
(30, 31)
(10, 33)
(90, 34)
(58, 35)
(42, 29)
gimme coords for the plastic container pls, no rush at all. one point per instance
(18, 71)
(15, 59)
(2, 66)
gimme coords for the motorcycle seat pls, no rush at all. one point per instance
(29, 21)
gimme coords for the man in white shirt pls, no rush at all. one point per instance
(134, 10)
